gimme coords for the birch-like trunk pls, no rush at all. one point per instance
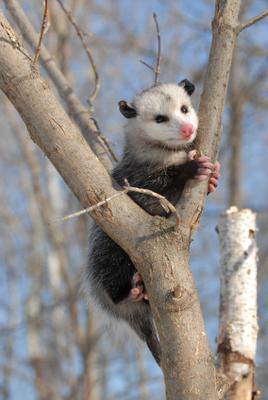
(238, 301)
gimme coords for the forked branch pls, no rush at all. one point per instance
(252, 21)
(156, 68)
(167, 206)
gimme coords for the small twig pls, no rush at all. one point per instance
(92, 208)
(167, 206)
(81, 36)
(44, 29)
(147, 65)
(104, 140)
(157, 67)
(252, 21)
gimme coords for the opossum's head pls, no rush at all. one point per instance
(162, 116)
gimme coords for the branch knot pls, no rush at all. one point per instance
(179, 299)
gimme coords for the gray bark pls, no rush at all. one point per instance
(158, 248)
(79, 113)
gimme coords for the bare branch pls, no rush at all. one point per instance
(43, 31)
(252, 21)
(147, 65)
(167, 206)
(157, 67)
(94, 207)
(104, 140)
(80, 34)
(77, 110)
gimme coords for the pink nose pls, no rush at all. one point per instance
(187, 130)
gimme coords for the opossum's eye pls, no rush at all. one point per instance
(161, 118)
(184, 109)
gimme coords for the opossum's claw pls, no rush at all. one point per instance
(206, 169)
(214, 178)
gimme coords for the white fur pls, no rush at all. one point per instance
(161, 142)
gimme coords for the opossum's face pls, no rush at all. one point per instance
(163, 116)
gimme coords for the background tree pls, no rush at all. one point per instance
(65, 362)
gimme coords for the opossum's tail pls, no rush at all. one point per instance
(144, 326)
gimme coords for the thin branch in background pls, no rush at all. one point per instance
(157, 67)
(104, 140)
(44, 29)
(147, 65)
(167, 206)
(81, 36)
(78, 111)
(252, 21)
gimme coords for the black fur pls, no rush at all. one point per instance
(127, 109)
(110, 269)
(188, 86)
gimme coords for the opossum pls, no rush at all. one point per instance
(158, 155)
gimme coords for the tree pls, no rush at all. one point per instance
(173, 299)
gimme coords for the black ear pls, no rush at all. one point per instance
(127, 109)
(188, 86)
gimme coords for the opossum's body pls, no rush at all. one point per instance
(155, 158)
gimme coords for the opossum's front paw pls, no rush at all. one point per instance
(214, 178)
(206, 169)
(138, 291)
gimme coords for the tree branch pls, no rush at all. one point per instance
(167, 206)
(147, 65)
(252, 21)
(80, 114)
(224, 28)
(156, 68)
(158, 59)
(87, 50)
(166, 273)
(44, 27)
(51, 128)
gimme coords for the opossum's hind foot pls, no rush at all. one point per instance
(206, 169)
(138, 291)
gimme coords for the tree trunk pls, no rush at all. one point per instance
(158, 248)
(79, 113)
(238, 301)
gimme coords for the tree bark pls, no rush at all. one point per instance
(225, 27)
(235, 134)
(79, 113)
(158, 248)
(238, 301)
